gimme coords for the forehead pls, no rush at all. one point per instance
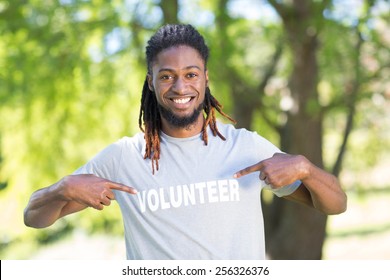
(178, 57)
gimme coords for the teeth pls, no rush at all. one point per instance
(182, 100)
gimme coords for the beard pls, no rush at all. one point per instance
(177, 121)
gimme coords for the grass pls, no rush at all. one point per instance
(363, 231)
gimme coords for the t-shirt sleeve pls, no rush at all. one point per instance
(286, 190)
(105, 164)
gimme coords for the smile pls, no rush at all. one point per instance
(181, 100)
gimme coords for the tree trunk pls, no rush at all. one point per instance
(170, 9)
(294, 231)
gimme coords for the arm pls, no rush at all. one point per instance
(69, 195)
(319, 188)
(48, 205)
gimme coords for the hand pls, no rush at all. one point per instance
(91, 191)
(279, 170)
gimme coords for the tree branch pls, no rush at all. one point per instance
(269, 72)
(353, 94)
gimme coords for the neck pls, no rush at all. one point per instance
(183, 132)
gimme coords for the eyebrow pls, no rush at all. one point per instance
(185, 68)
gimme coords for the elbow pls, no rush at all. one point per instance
(26, 219)
(339, 208)
(336, 211)
(29, 221)
(343, 204)
(36, 225)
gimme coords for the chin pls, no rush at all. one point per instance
(180, 121)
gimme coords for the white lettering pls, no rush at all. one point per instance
(142, 201)
(192, 194)
(175, 202)
(212, 191)
(201, 187)
(189, 194)
(153, 203)
(223, 190)
(164, 204)
(234, 190)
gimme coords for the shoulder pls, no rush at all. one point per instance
(116, 148)
(127, 141)
(250, 139)
(106, 162)
(230, 131)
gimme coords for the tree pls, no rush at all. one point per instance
(304, 23)
(64, 94)
(314, 44)
(302, 133)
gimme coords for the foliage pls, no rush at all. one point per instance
(65, 95)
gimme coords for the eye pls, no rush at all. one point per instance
(166, 77)
(192, 75)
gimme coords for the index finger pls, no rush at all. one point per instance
(250, 169)
(121, 187)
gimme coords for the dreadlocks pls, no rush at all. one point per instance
(149, 118)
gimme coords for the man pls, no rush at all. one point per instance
(188, 186)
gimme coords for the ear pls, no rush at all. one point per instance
(207, 77)
(149, 77)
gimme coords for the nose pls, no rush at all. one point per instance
(179, 86)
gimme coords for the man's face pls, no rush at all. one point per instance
(179, 80)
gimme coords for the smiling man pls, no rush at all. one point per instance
(179, 80)
(183, 194)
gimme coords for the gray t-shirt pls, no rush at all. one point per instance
(192, 207)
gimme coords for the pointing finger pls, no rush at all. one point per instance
(248, 170)
(121, 187)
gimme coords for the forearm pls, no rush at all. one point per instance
(45, 207)
(319, 188)
(325, 191)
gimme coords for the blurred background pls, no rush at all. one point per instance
(311, 76)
